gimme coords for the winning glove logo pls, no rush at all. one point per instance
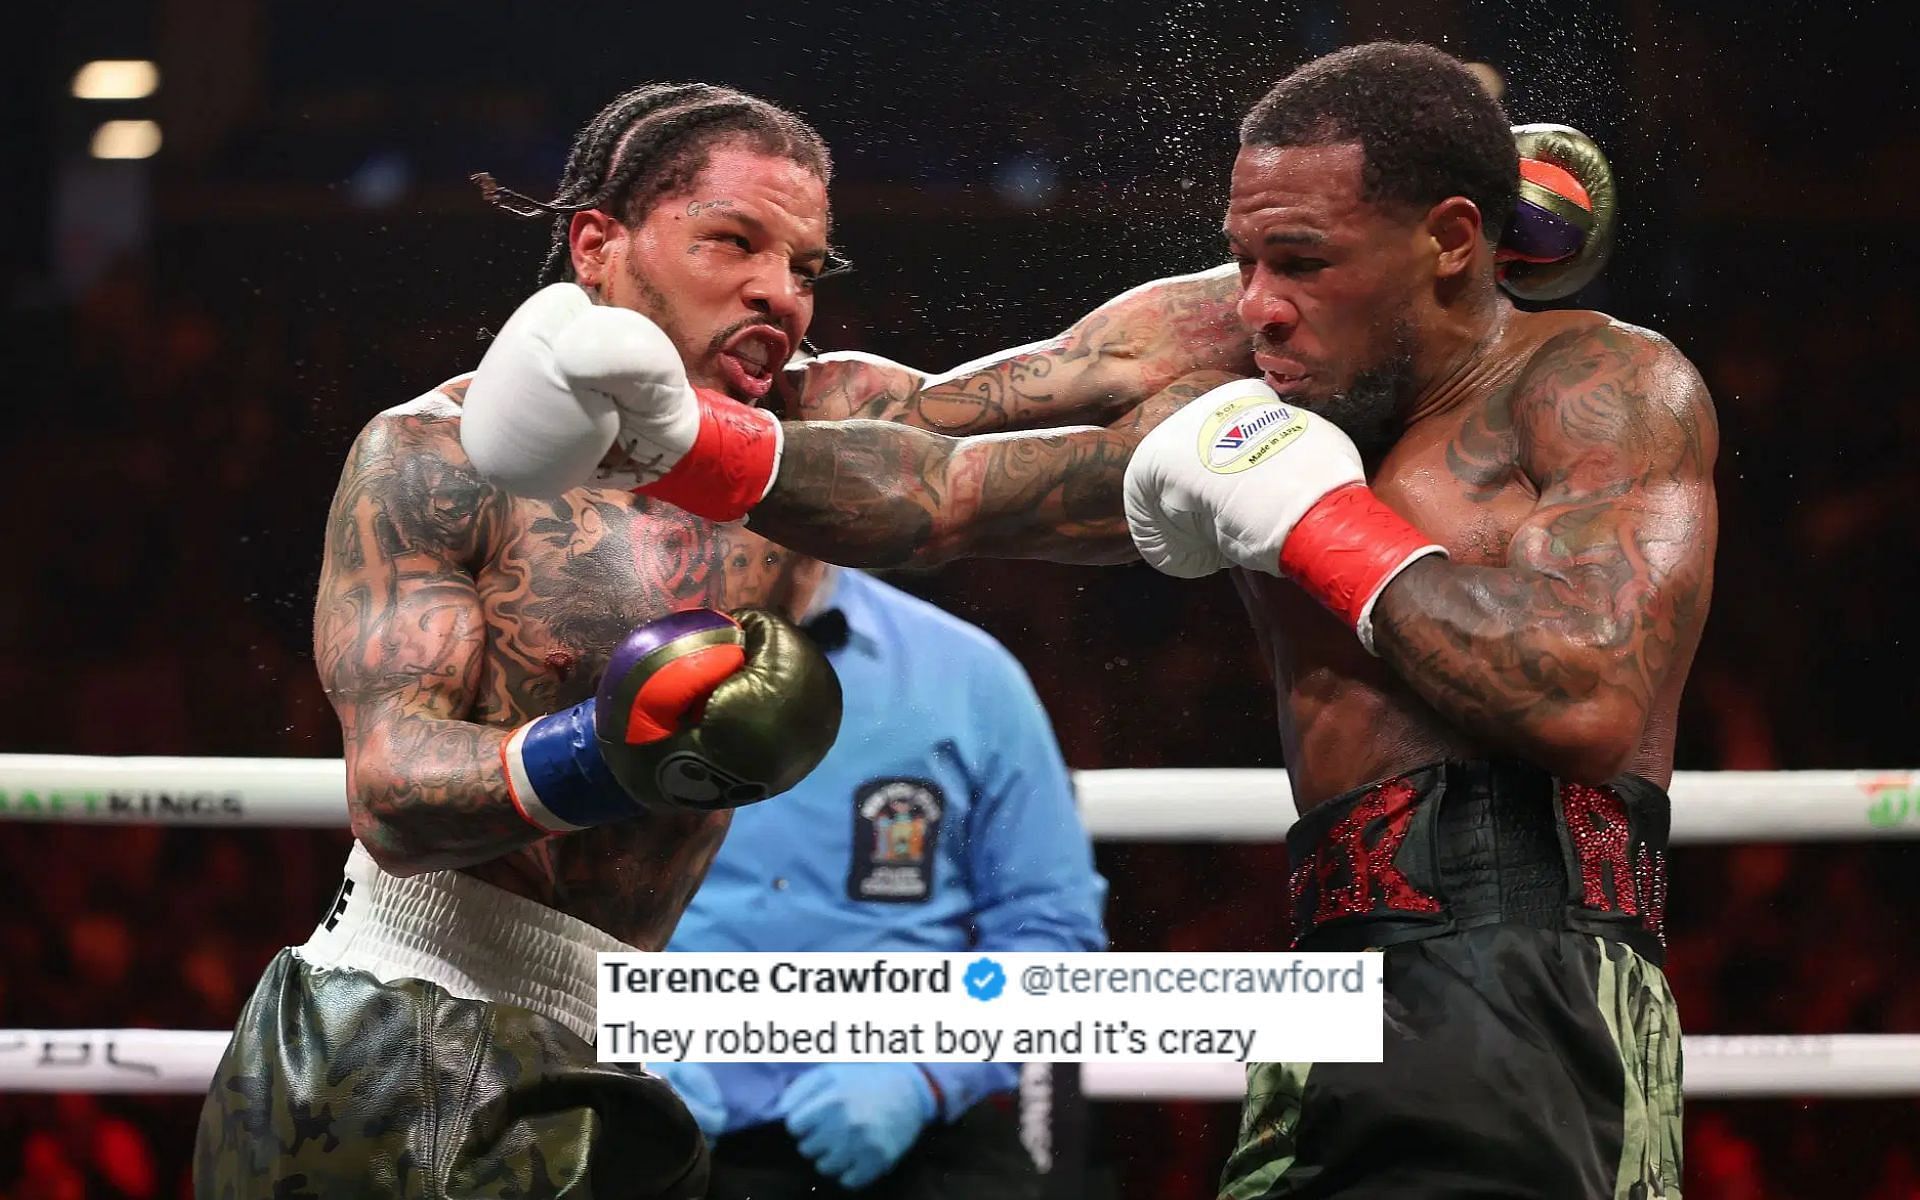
(1244, 432)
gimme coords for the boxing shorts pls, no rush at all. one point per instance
(1531, 1046)
(433, 1039)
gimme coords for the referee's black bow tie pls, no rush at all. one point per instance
(827, 629)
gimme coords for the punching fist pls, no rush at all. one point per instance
(1239, 478)
(569, 384)
(696, 710)
(1563, 224)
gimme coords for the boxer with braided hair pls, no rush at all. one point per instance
(547, 717)
(647, 143)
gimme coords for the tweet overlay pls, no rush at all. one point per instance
(989, 1007)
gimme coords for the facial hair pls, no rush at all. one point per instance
(653, 302)
(1369, 410)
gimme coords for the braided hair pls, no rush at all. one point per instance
(649, 143)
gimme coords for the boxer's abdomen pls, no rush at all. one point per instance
(1345, 717)
(1345, 720)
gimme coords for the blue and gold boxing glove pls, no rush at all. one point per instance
(697, 711)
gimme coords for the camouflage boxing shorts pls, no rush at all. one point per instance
(352, 1075)
(1531, 1045)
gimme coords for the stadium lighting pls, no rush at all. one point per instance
(116, 79)
(126, 139)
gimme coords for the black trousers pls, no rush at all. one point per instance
(978, 1156)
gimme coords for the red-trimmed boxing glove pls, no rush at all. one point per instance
(696, 710)
(572, 393)
(1241, 478)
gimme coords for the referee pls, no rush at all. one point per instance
(943, 819)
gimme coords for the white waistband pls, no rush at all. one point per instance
(473, 939)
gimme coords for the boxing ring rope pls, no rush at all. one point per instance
(1191, 805)
(181, 1061)
(1208, 805)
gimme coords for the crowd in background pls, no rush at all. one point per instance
(190, 403)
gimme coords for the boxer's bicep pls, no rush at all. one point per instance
(1618, 433)
(1562, 652)
(399, 634)
(1109, 362)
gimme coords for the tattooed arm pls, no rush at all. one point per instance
(398, 637)
(1563, 653)
(1111, 360)
(869, 493)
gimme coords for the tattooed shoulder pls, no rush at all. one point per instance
(1612, 391)
(408, 481)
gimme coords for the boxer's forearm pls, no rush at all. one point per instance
(431, 795)
(1527, 663)
(872, 494)
(868, 493)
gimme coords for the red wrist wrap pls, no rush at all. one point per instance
(730, 465)
(1345, 546)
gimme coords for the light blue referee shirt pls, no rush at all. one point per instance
(942, 819)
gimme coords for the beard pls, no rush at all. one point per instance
(1369, 410)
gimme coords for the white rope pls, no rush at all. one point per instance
(1215, 805)
(110, 1060)
(1716, 1068)
(182, 1061)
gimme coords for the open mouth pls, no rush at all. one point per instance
(750, 358)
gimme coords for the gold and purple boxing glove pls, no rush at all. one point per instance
(1562, 227)
(697, 711)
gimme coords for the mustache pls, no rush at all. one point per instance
(1264, 346)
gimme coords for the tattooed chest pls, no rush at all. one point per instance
(1461, 484)
(570, 577)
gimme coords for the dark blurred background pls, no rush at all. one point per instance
(193, 338)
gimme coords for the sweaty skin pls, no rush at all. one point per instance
(449, 612)
(1565, 462)
(869, 493)
(1573, 492)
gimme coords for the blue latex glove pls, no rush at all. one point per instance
(855, 1120)
(699, 1091)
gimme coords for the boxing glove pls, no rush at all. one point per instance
(572, 393)
(696, 711)
(1239, 478)
(1563, 222)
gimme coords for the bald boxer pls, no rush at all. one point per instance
(1476, 544)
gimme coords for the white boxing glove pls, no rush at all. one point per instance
(1240, 478)
(566, 381)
